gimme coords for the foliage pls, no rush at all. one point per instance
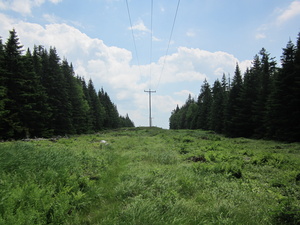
(41, 97)
(264, 103)
(149, 176)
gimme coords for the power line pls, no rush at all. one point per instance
(134, 43)
(151, 37)
(163, 67)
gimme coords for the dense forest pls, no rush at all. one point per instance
(263, 103)
(40, 96)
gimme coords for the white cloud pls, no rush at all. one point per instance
(190, 34)
(111, 67)
(292, 11)
(55, 1)
(184, 93)
(140, 26)
(260, 36)
(279, 17)
(23, 7)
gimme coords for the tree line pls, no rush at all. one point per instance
(40, 96)
(263, 103)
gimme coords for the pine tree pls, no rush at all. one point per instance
(3, 91)
(34, 107)
(79, 105)
(204, 106)
(233, 121)
(279, 102)
(295, 102)
(55, 84)
(111, 119)
(191, 110)
(217, 108)
(263, 89)
(14, 82)
(174, 120)
(97, 111)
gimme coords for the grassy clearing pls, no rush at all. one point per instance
(150, 176)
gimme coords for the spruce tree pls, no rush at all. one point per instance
(233, 121)
(14, 82)
(3, 91)
(34, 108)
(97, 111)
(204, 106)
(111, 118)
(280, 99)
(217, 108)
(55, 84)
(295, 103)
(263, 89)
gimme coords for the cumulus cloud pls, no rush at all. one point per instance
(111, 67)
(140, 26)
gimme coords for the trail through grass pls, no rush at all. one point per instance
(150, 176)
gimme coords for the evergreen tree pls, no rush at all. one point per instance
(233, 121)
(111, 119)
(191, 110)
(125, 121)
(34, 107)
(225, 89)
(3, 90)
(217, 108)
(174, 120)
(282, 123)
(263, 89)
(97, 111)
(295, 103)
(79, 105)
(204, 106)
(55, 83)
(14, 82)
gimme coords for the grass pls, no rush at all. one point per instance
(150, 176)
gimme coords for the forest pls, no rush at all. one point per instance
(40, 96)
(263, 103)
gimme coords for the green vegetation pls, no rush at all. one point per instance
(263, 103)
(149, 176)
(40, 96)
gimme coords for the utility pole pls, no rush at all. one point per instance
(150, 118)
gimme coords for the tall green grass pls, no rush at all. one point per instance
(150, 176)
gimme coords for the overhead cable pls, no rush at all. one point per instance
(167, 51)
(134, 43)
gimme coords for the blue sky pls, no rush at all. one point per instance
(209, 38)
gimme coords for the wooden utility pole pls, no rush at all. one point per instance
(150, 118)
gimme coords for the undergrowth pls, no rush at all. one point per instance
(149, 176)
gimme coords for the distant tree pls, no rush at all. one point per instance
(174, 120)
(111, 119)
(204, 106)
(217, 107)
(79, 105)
(125, 121)
(97, 111)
